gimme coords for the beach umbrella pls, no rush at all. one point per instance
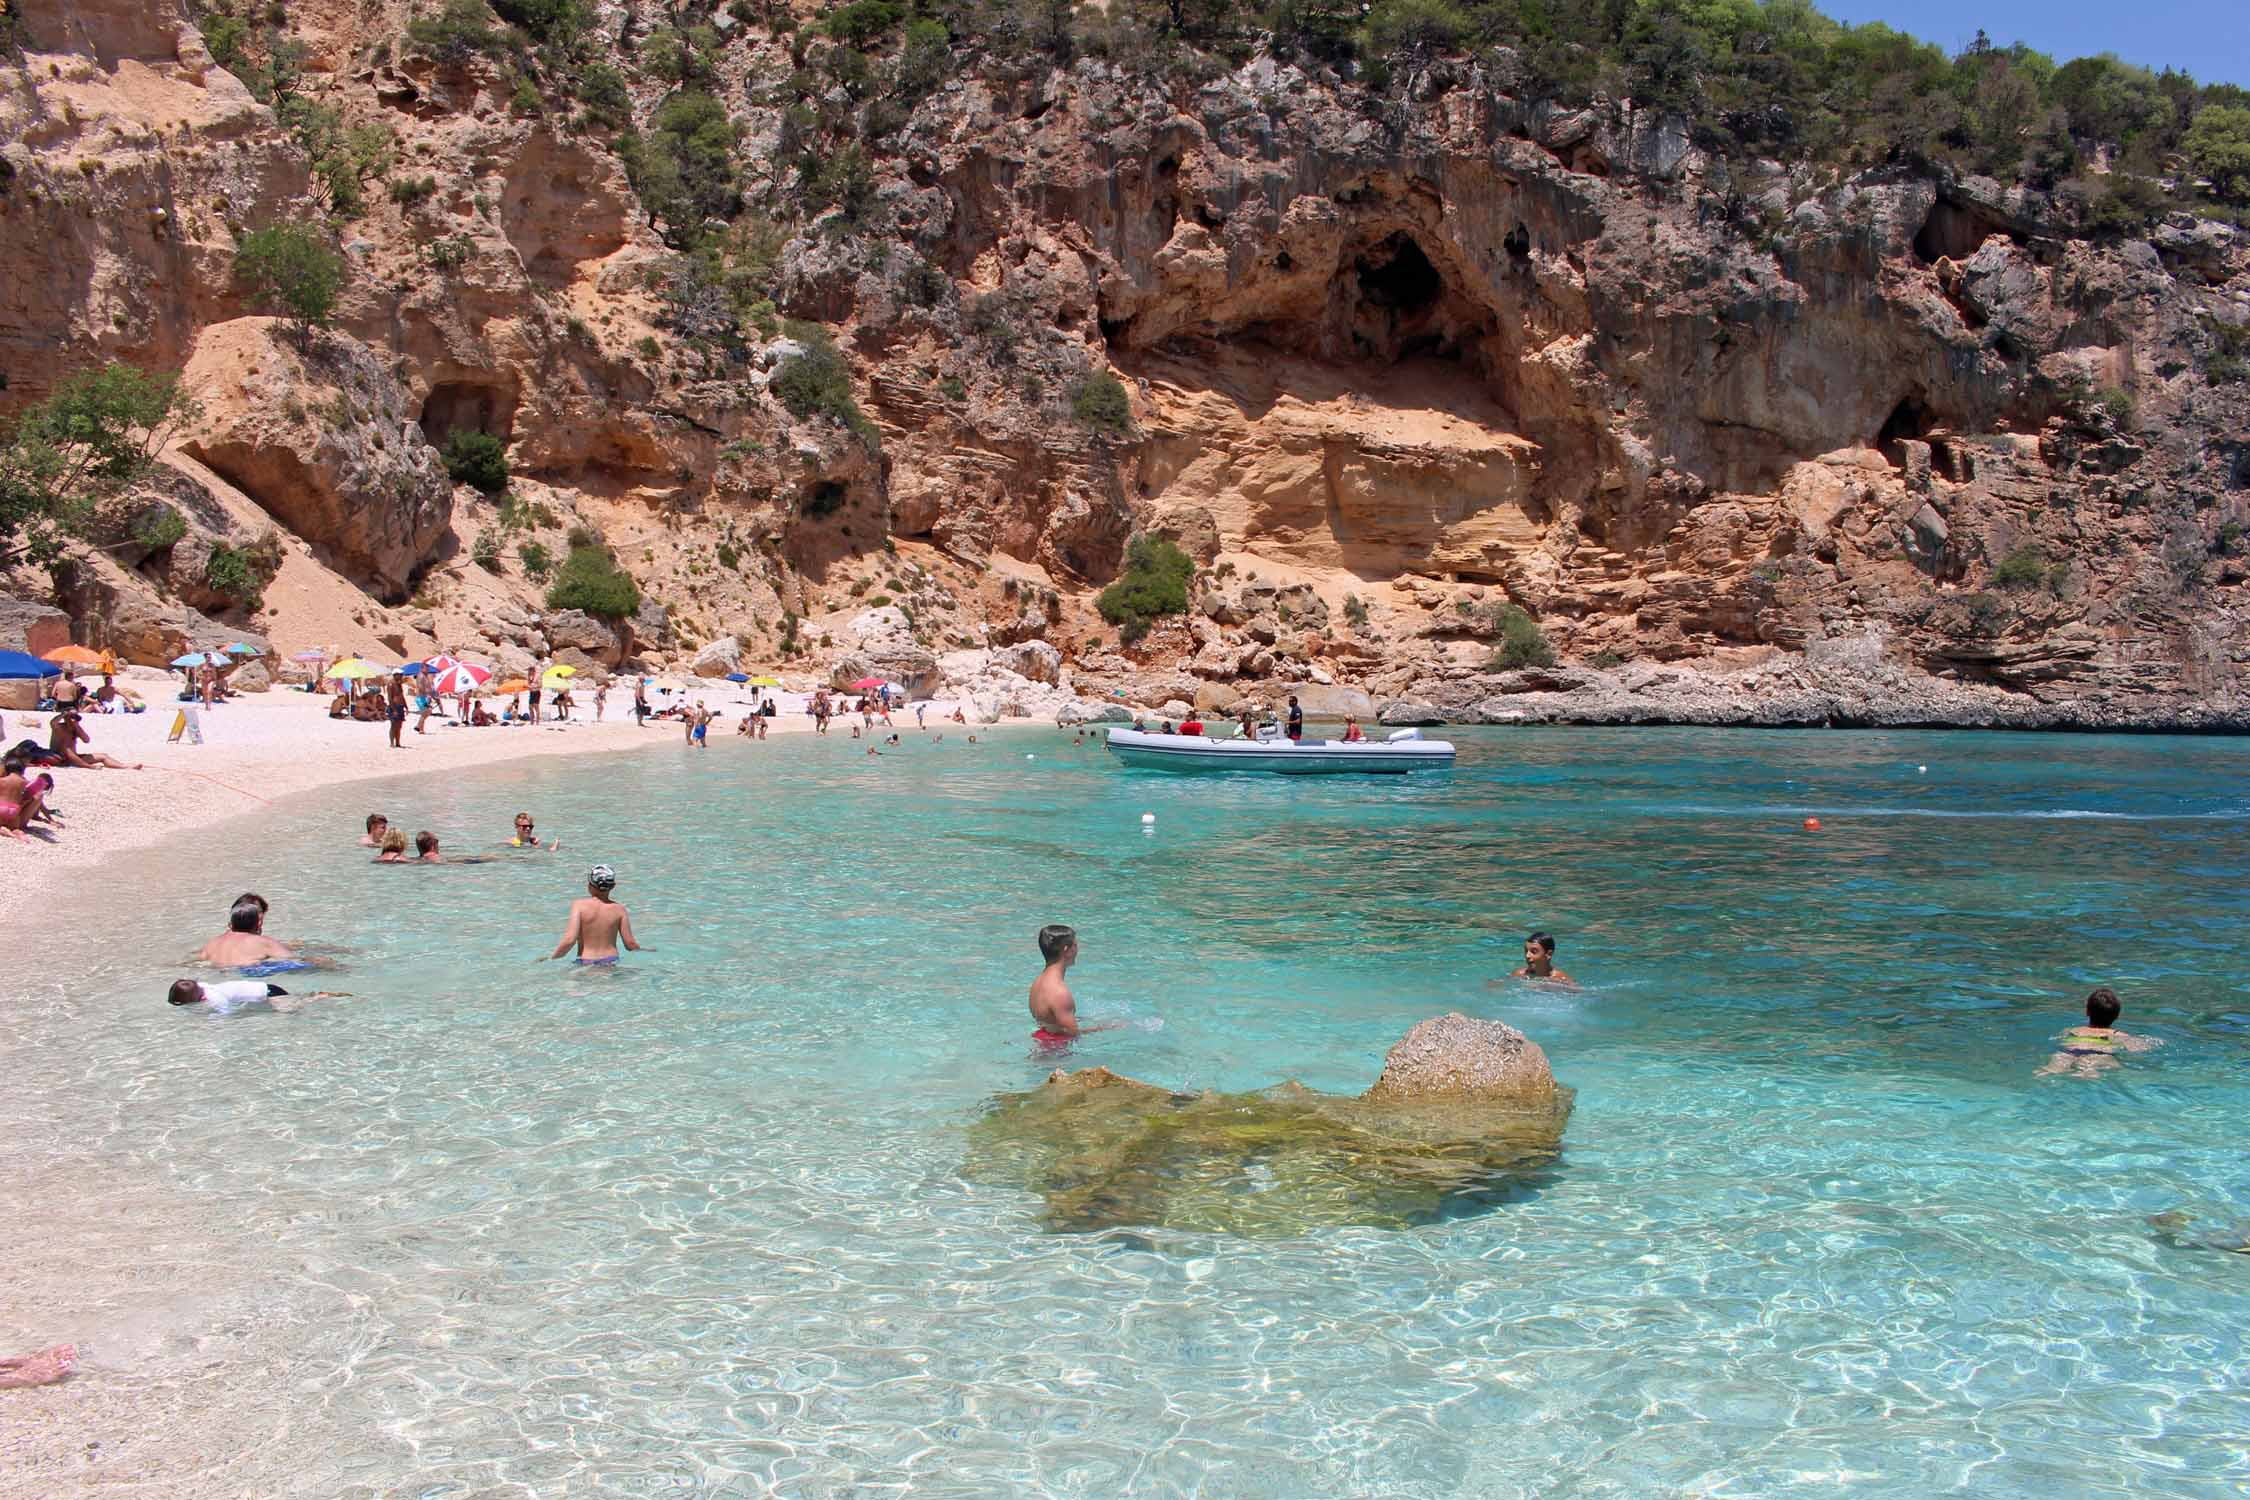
(193, 659)
(74, 656)
(412, 669)
(765, 682)
(512, 685)
(240, 648)
(310, 656)
(351, 669)
(14, 664)
(738, 677)
(559, 674)
(868, 684)
(458, 677)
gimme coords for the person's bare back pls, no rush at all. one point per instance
(598, 925)
(236, 950)
(1052, 1004)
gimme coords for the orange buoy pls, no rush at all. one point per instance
(1812, 825)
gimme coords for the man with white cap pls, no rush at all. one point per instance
(597, 923)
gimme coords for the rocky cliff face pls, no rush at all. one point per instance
(1398, 366)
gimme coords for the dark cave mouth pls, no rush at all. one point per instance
(1397, 276)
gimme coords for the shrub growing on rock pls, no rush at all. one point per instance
(1100, 403)
(290, 271)
(591, 580)
(242, 573)
(477, 459)
(98, 433)
(817, 383)
(1154, 584)
(1522, 642)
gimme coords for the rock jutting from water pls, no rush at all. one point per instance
(1465, 1115)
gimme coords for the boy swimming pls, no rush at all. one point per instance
(226, 997)
(597, 924)
(1539, 962)
(2089, 1049)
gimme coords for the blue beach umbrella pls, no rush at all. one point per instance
(738, 676)
(412, 669)
(239, 649)
(19, 664)
(192, 659)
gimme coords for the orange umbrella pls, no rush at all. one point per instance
(73, 656)
(512, 685)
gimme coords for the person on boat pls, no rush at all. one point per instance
(1052, 1004)
(245, 941)
(1353, 734)
(1539, 962)
(2092, 1048)
(597, 924)
(1191, 725)
(1296, 719)
(1249, 725)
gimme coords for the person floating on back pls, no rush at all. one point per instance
(1539, 962)
(2090, 1049)
(1052, 1004)
(244, 942)
(226, 997)
(597, 923)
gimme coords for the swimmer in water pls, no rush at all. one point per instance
(1539, 962)
(245, 941)
(227, 997)
(2089, 1050)
(1052, 1004)
(597, 924)
(377, 826)
(526, 839)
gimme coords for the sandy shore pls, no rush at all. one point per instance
(263, 747)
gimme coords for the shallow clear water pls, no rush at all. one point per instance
(699, 1225)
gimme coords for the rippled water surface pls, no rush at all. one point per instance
(699, 1225)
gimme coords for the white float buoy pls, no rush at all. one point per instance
(1921, 770)
(1031, 757)
(1147, 818)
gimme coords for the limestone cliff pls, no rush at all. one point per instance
(1747, 441)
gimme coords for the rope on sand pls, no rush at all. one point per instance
(215, 781)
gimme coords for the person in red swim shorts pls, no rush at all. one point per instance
(1052, 1005)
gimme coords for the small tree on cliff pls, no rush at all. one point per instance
(93, 438)
(289, 271)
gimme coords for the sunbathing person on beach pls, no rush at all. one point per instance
(2092, 1049)
(245, 941)
(1052, 1004)
(227, 997)
(1539, 962)
(48, 1366)
(21, 801)
(597, 924)
(65, 731)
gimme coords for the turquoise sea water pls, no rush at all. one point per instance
(699, 1225)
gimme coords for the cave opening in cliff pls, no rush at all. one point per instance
(1953, 231)
(1397, 276)
(467, 406)
(1907, 420)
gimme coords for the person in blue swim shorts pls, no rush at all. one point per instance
(598, 923)
(245, 941)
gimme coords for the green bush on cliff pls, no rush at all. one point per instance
(684, 169)
(242, 573)
(1154, 584)
(817, 383)
(477, 459)
(1522, 642)
(461, 31)
(90, 440)
(290, 271)
(1100, 402)
(560, 22)
(591, 580)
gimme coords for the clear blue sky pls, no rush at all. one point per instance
(2208, 38)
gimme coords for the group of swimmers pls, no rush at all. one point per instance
(391, 843)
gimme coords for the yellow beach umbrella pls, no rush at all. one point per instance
(765, 682)
(353, 669)
(559, 674)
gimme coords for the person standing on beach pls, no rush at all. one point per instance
(640, 702)
(601, 698)
(245, 941)
(538, 686)
(394, 700)
(597, 924)
(427, 703)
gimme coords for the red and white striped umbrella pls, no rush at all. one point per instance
(449, 676)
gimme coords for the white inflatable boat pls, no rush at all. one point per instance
(1403, 751)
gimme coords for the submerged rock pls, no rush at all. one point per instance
(1106, 1151)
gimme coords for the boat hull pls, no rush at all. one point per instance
(1193, 753)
